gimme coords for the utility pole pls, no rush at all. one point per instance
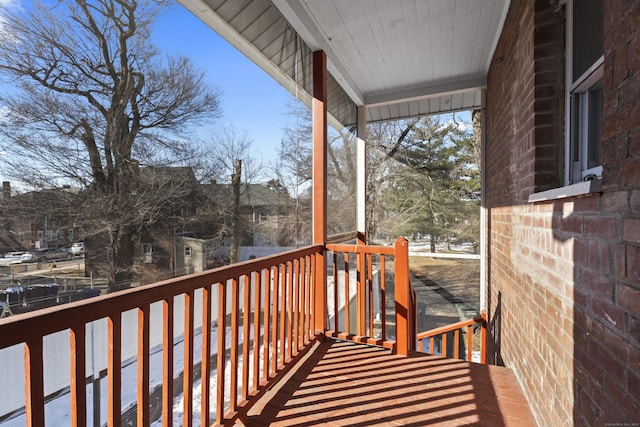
(235, 220)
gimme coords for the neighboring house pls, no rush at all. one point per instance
(200, 214)
(265, 209)
(49, 218)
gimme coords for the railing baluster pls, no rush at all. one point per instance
(205, 364)
(78, 385)
(275, 274)
(233, 380)
(290, 298)
(336, 307)
(167, 362)
(307, 300)
(114, 370)
(34, 370)
(432, 345)
(222, 348)
(303, 296)
(295, 294)
(312, 296)
(369, 281)
(187, 379)
(383, 297)
(143, 366)
(456, 346)
(469, 342)
(266, 328)
(361, 294)
(246, 336)
(283, 312)
(443, 344)
(347, 315)
(256, 329)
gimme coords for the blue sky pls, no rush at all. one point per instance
(251, 100)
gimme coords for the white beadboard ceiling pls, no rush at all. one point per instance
(399, 58)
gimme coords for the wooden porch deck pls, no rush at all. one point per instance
(348, 384)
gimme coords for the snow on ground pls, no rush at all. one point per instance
(425, 246)
(57, 410)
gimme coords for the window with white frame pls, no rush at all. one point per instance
(187, 251)
(585, 49)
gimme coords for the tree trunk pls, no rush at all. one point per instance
(122, 256)
(235, 220)
(432, 239)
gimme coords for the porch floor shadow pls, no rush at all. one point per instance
(341, 383)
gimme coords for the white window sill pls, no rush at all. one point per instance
(579, 189)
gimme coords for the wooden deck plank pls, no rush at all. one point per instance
(345, 383)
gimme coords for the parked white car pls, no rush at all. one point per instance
(44, 255)
(77, 248)
(11, 258)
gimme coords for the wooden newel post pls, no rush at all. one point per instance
(404, 311)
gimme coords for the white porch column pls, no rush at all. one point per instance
(483, 209)
(361, 168)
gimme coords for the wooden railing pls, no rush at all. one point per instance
(238, 326)
(369, 295)
(456, 329)
(265, 305)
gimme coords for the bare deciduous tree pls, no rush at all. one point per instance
(231, 152)
(93, 101)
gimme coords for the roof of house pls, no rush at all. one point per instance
(255, 195)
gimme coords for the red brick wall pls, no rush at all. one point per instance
(564, 275)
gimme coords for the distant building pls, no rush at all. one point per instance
(49, 218)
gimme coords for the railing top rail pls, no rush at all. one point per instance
(16, 329)
(367, 249)
(449, 328)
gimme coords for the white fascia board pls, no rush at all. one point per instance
(428, 91)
